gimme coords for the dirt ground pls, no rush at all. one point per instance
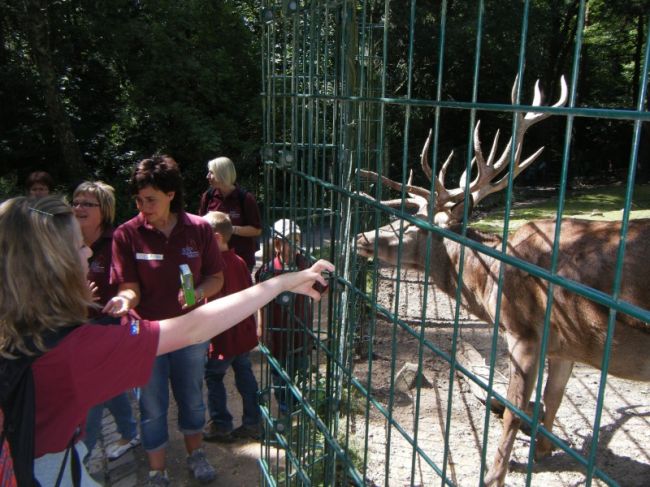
(622, 451)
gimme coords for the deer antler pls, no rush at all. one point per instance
(419, 197)
(449, 201)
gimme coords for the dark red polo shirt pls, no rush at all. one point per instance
(99, 270)
(249, 214)
(143, 254)
(242, 337)
(89, 366)
(285, 324)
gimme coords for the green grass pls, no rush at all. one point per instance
(593, 203)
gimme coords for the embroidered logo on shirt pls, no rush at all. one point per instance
(134, 327)
(190, 252)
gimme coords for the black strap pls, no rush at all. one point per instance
(75, 463)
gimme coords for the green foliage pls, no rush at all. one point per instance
(595, 203)
(135, 78)
(9, 187)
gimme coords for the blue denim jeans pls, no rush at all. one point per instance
(294, 363)
(184, 370)
(215, 370)
(120, 408)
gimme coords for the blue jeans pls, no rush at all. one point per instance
(215, 370)
(120, 408)
(184, 369)
(294, 363)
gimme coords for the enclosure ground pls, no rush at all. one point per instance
(625, 426)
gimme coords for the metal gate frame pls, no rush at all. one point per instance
(325, 108)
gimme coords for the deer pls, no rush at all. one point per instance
(587, 255)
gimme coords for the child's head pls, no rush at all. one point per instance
(220, 223)
(286, 239)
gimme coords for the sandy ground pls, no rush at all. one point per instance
(622, 451)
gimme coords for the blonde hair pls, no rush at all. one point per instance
(220, 223)
(223, 170)
(105, 194)
(39, 237)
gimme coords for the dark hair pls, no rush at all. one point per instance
(40, 177)
(161, 172)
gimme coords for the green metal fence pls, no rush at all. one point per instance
(396, 381)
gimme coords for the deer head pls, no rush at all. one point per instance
(446, 207)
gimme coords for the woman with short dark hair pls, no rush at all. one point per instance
(147, 253)
(39, 184)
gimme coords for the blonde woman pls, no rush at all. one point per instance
(93, 203)
(43, 249)
(226, 196)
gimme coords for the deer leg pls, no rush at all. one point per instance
(524, 355)
(559, 372)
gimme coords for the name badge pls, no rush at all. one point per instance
(141, 256)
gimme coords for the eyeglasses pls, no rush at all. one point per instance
(84, 204)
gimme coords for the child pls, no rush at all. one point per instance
(285, 317)
(231, 349)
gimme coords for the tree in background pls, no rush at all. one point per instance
(110, 82)
(87, 87)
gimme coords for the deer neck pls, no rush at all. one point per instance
(477, 273)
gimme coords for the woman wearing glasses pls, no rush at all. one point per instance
(94, 207)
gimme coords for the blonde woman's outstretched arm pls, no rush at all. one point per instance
(217, 316)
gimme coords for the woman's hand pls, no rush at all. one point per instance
(305, 282)
(117, 306)
(93, 290)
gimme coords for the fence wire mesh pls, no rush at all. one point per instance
(393, 381)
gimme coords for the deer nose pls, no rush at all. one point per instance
(364, 245)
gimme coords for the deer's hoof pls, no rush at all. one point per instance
(543, 449)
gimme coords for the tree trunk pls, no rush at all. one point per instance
(37, 28)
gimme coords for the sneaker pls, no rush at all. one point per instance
(247, 432)
(212, 432)
(116, 450)
(157, 478)
(200, 468)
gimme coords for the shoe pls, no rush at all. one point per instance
(247, 432)
(214, 433)
(200, 468)
(157, 478)
(116, 450)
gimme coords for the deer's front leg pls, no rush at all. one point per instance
(523, 368)
(559, 372)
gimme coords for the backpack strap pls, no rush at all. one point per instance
(75, 463)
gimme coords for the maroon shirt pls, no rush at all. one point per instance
(284, 325)
(143, 254)
(240, 215)
(89, 366)
(99, 270)
(242, 337)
